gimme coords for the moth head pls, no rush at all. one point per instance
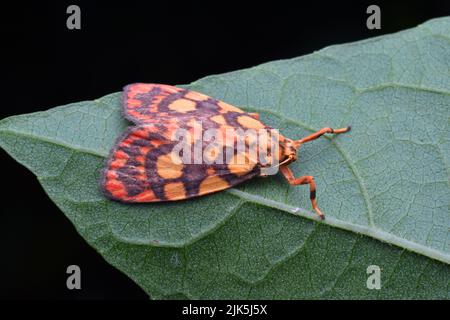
(288, 151)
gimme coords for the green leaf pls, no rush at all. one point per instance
(384, 186)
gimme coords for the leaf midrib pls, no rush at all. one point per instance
(369, 231)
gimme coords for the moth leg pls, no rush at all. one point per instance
(254, 115)
(321, 132)
(287, 173)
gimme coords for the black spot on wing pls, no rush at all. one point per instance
(193, 175)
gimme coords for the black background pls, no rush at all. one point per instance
(44, 65)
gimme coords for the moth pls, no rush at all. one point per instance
(143, 167)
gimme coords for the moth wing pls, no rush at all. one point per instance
(198, 180)
(155, 103)
(218, 170)
(223, 179)
(128, 176)
(143, 167)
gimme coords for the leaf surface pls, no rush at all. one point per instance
(384, 186)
